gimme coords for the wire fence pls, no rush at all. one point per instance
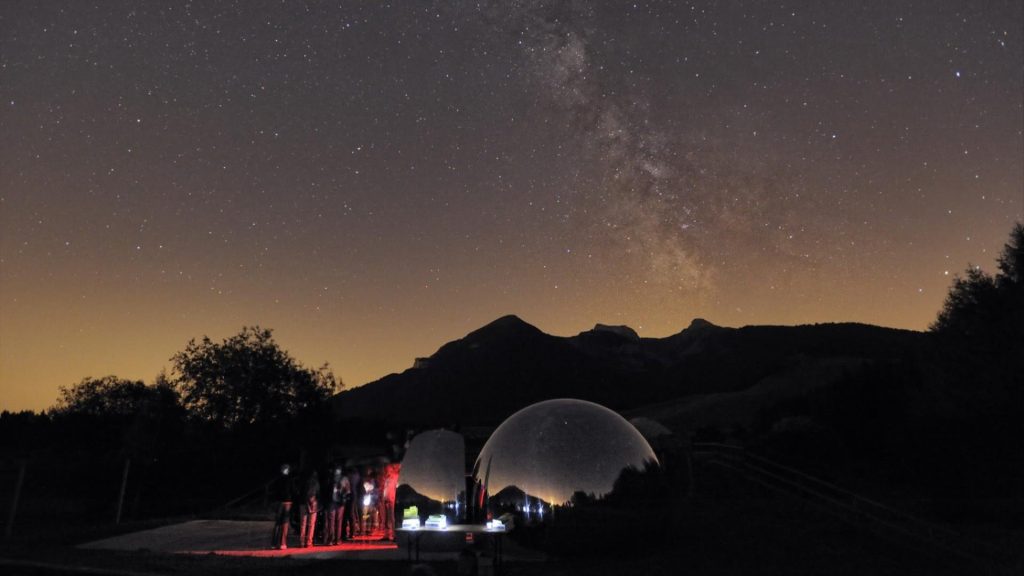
(856, 508)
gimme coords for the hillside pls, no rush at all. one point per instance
(508, 364)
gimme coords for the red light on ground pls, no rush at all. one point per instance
(340, 548)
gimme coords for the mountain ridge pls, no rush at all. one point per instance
(508, 363)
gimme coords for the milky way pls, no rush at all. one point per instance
(372, 180)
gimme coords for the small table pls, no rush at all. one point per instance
(413, 536)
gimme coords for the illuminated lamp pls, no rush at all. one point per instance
(437, 521)
(411, 523)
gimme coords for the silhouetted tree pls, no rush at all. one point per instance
(1011, 261)
(111, 397)
(247, 379)
(581, 498)
(985, 309)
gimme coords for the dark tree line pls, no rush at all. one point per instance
(247, 379)
(216, 426)
(943, 420)
(980, 344)
(244, 380)
(984, 309)
(112, 397)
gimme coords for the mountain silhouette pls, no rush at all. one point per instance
(509, 364)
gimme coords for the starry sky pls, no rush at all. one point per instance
(371, 180)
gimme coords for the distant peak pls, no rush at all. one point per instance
(624, 331)
(509, 320)
(509, 323)
(700, 323)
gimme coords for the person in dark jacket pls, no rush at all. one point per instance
(348, 511)
(309, 506)
(282, 491)
(334, 507)
(356, 481)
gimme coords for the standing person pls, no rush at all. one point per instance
(356, 481)
(348, 514)
(335, 509)
(387, 500)
(308, 508)
(369, 501)
(282, 490)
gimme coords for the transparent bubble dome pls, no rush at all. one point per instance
(434, 465)
(556, 451)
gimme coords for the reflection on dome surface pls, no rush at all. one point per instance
(433, 468)
(558, 451)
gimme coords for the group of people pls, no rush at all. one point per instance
(350, 504)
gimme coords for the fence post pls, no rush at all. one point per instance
(124, 484)
(9, 529)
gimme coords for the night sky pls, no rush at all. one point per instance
(373, 180)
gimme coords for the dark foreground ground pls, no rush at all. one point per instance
(720, 536)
